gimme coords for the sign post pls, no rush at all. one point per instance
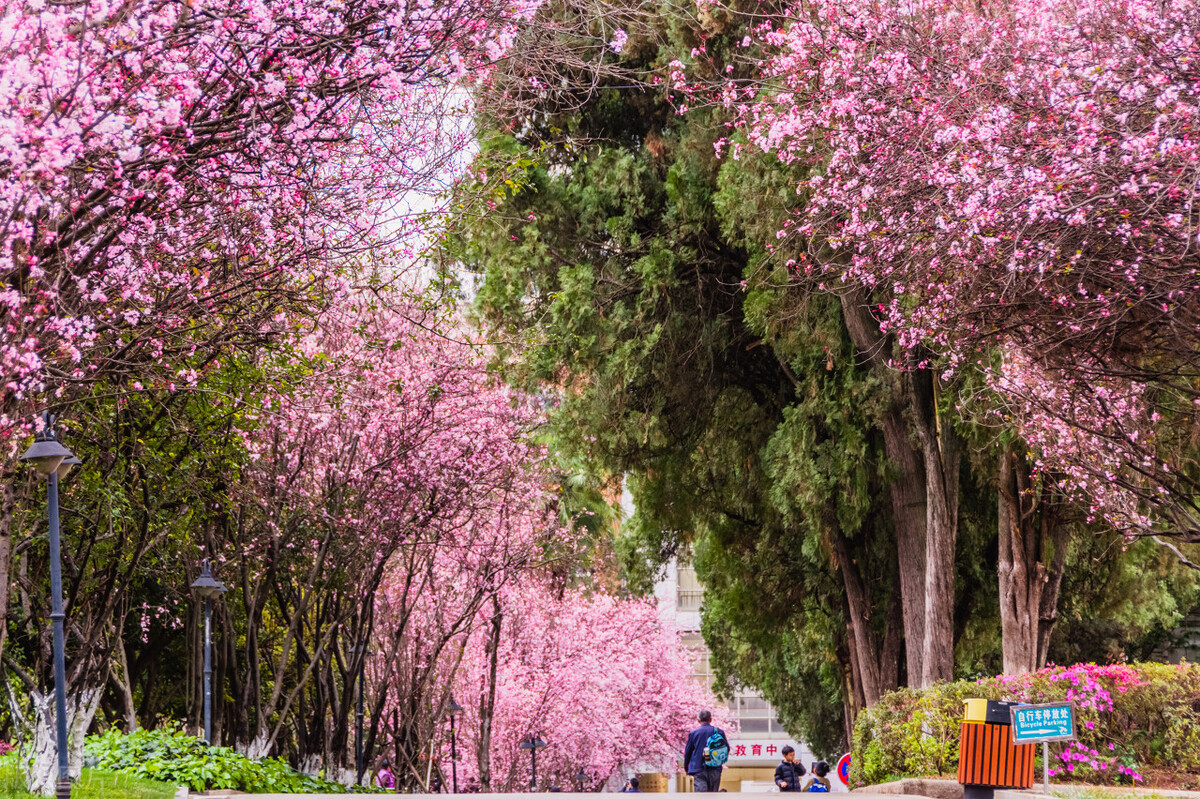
(1043, 723)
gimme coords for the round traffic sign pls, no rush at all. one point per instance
(843, 769)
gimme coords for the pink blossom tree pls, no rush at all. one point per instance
(397, 478)
(604, 681)
(1015, 179)
(185, 184)
(177, 178)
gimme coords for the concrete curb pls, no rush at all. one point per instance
(1116, 790)
(916, 786)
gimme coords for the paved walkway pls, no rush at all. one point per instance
(861, 793)
(495, 796)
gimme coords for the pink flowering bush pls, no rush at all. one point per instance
(1130, 718)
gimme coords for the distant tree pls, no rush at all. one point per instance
(605, 682)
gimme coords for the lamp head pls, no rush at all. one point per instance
(532, 742)
(453, 707)
(66, 465)
(206, 586)
(47, 454)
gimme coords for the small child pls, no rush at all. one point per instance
(819, 783)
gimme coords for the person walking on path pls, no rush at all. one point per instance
(705, 755)
(789, 772)
(384, 777)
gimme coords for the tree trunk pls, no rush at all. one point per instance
(123, 680)
(908, 490)
(940, 450)
(874, 662)
(6, 516)
(1028, 522)
(487, 701)
(908, 495)
(42, 774)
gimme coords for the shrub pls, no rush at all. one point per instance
(171, 756)
(1129, 717)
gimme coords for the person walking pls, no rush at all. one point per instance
(705, 754)
(384, 777)
(789, 772)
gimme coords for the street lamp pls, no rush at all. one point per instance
(52, 460)
(362, 653)
(533, 744)
(452, 708)
(208, 588)
(581, 778)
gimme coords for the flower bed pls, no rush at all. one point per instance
(1133, 721)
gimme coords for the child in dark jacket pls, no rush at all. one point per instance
(789, 772)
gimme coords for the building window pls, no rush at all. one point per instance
(689, 591)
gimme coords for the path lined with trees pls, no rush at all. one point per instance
(883, 313)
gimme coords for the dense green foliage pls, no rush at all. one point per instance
(93, 784)
(618, 272)
(1133, 723)
(171, 756)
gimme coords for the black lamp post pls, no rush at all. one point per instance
(581, 778)
(52, 460)
(208, 588)
(360, 652)
(452, 708)
(533, 743)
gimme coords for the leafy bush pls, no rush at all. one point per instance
(1130, 718)
(171, 756)
(92, 784)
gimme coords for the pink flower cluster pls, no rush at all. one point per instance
(1090, 688)
(1078, 754)
(182, 178)
(1087, 681)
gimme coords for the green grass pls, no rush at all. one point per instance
(94, 784)
(1097, 792)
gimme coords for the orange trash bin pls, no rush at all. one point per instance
(987, 757)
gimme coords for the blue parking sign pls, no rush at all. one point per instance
(1034, 723)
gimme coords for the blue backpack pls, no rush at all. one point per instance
(818, 787)
(716, 750)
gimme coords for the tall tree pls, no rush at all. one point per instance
(616, 275)
(1047, 217)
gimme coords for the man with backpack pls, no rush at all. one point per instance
(705, 755)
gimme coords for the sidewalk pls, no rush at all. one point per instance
(503, 796)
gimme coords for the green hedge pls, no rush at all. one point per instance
(171, 756)
(1130, 718)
